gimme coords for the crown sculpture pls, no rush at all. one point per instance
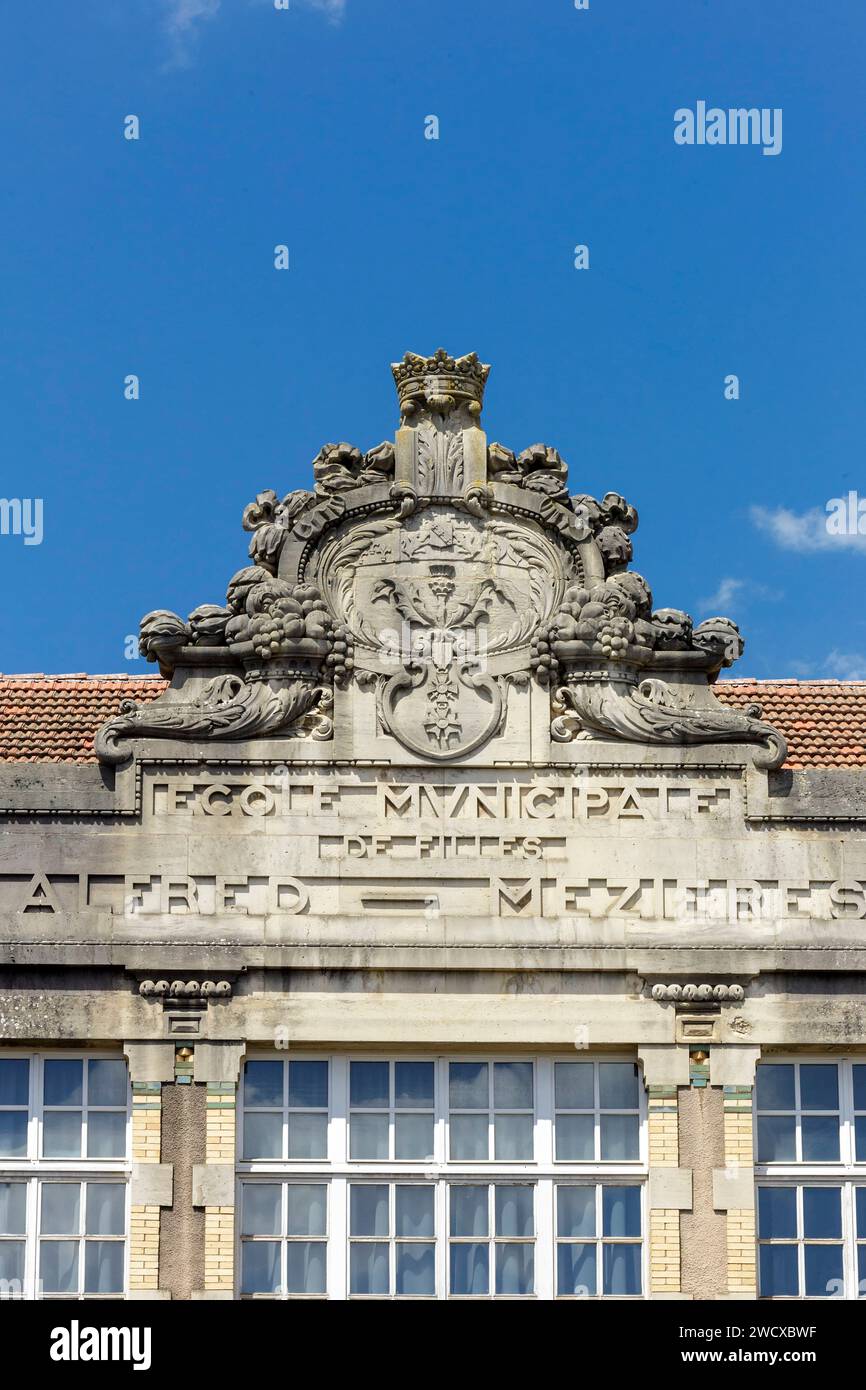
(424, 588)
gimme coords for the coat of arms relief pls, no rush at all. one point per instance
(439, 571)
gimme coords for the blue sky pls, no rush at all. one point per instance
(306, 127)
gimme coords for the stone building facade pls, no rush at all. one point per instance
(434, 925)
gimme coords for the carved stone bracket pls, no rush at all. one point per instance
(185, 989)
(228, 708)
(702, 994)
(611, 704)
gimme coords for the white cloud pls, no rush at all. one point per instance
(183, 18)
(733, 590)
(847, 666)
(802, 531)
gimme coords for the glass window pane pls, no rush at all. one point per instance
(103, 1266)
(263, 1136)
(369, 1209)
(308, 1084)
(512, 1137)
(62, 1082)
(307, 1203)
(860, 1198)
(777, 1265)
(576, 1269)
(106, 1081)
(575, 1137)
(620, 1207)
(14, 1080)
(620, 1136)
(515, 1268)
(413, 1137)
(12, 1267)
(820, 1138)
(512, 1085)
(13, 1208)
(469, 1215)
(416, 1270)
(368, 1136)
(819, 1087)
(263, 1083)
(776, 1139)
(621, 1269)
(617, 1085)
(106, 1133)
(822, 1213)
(575, 1210)
(13, 1133)
(859, 1088)
(368, 1267)
(468, 1085)
(414, 1211)
(58, 1266)
(574, 1085)
(61, 1134)
(260, 1266)
(860, 1138)
(861, 1271)
(775, 1086)
(413, 1085)
(823, 1269)
(777, 1213)
(306, 1266)
(60, 1209)
(368, 1084)
(469, 1136)
(470, 1268)
(105, 1208)
(514, 1216)
(261, 1209)
(308, 1135)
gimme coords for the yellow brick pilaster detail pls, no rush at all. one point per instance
(144, 1220)
(741, 1233)
(219, 1222)
(664, 1223)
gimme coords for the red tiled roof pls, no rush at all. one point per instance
(824, 721)
(52, 719)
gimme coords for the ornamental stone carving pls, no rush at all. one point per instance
(434, 576)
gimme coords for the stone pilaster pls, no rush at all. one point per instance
(151, 1182)
(669, 1186)
(740, 1159)
(218, 1066)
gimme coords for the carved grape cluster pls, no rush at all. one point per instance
(542, 660)
(341, 657)
(287, 619)
(615, 636)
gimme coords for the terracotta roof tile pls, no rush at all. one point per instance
(54, 718)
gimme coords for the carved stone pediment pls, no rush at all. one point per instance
(439, 572)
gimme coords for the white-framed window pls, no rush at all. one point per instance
(810, 1154)
(285, 1111)
(491, 1110)
(491, 1239)
(64, 1137)
(599, 1234)
(597, 1110)
(284, 1234)
(391, 1108)
(62, 1236)
(440, 1177)
(392, 1240)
